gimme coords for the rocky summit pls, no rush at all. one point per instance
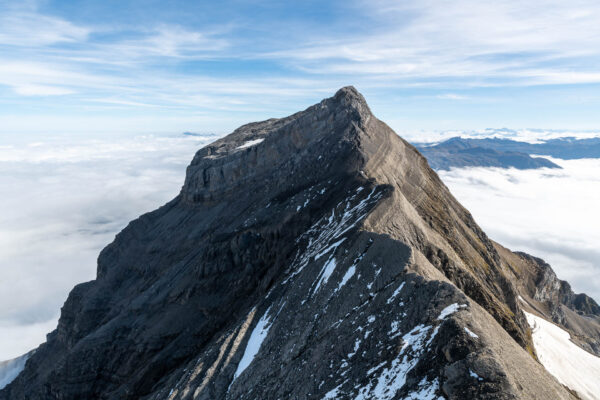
(315, 256)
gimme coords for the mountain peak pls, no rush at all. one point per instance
(350, 98)
(328, 134)
(311, 256)
(350, 95)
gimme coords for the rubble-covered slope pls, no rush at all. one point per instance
(314, 256)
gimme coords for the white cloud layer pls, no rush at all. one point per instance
(549, 213)
(64, 199)
(521, 135)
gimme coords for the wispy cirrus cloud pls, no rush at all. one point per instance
(451, 96)
(24, 27)
(532, 43)
(460, 44)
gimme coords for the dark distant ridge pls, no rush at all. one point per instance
(505, 153)
(458, 152)
(566, 148)
(199, 134)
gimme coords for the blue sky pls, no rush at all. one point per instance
(95, 67)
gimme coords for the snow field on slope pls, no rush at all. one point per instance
(568, 363)
(258, 335)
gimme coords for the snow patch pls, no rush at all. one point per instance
(349, 274)
(426, 391)
(393, 378)
(474, 375)
(258, 335)
(393, 332)
(326, 272)
(433, 335)
(415, 337)
(568, 363)
(250, 143)
(329, 248)
(374, 369)
(356, 347)
(329, 230)
(396, 293)
(451, 309)
(471, 333)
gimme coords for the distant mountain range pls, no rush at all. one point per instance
(506, 153)
(187, 133)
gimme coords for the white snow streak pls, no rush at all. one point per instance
(396, 293)
(393, 378)
(426, 391)
(451, 309)
(250, 143)
(258, 335)
(329, 248)
(349, 274)
(471, 333)
(328, 269)
(474, 375)
(571, 365)
(356, 347)
(393, 332)
(329, 229)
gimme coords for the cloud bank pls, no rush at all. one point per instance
(551, 214)
(64, 198)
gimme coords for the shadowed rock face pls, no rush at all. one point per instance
(314, 256)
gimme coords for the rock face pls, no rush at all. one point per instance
(543, 293)
(314, 256)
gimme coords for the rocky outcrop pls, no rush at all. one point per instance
(548, 288)
(543, 293)
(314, 256)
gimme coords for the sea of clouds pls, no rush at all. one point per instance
(63, 198)
(550, 213)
